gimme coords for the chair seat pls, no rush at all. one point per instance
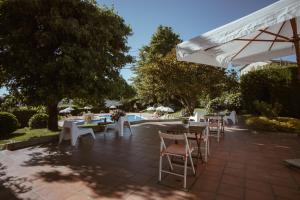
(176, 149)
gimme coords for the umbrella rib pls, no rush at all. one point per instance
(276, 36)
(248, 43)
(277, 40)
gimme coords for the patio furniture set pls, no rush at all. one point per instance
(183, 142)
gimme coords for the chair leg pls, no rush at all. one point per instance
(170, 163)
(61, 136)
(74, 140)
(160, 168)
(93, 135)
(192, 164)
(185, 172)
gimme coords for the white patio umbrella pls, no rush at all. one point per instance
(150, 109)
(160, 108)
(66, 110)
(88, 107)
(265, 34)
(168, 109)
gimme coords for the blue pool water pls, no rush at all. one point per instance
(102, 118)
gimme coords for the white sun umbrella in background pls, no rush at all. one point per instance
(66, 110)
(112, 107)
(160, 108)
(109, 103)
(268, 33)
(168, 109)
(88, 107)
(150, 109)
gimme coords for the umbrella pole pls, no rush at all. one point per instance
(296, 43)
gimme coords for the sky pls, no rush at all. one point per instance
(188, 18)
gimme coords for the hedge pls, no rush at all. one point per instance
(8, 123)
(272, 85)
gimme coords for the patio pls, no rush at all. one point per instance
(243, 165)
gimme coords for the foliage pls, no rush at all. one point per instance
(116, 114)
(232, 101)
(8, 123)
(160, 78)
(272, 84)
(280, 124)
(39, 120)
(179, 81)
(227, 101)
(56, 49)
(216, 105)
(266, 109)
(23, 115)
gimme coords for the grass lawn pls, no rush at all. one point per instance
(24, 134)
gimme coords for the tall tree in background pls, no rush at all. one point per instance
(161, 78)
(182, 81)
(56, 49)
(161, 43)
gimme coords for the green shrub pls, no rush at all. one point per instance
(24, 114)
(272, 84)
(233, 101)
(266, 109)
(39, 120)
(8, 123)
(216, 105)
(281, 124)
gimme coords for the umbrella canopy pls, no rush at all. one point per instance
(150, 109)
(267, 33)
(108, 103)
(168, 109)
(164, 109)
(88, 107)
(160, 108)
(66, 110)
(113, 107)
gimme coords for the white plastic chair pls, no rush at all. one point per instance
(198, 117)
(183, 151)
(71, 131)
(119, 125)
(232, 116)
(124, 121)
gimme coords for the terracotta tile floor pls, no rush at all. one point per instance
(242, 166)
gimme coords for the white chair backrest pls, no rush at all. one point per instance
(70, 125)
(233, 116)
(199, 116)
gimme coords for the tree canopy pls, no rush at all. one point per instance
(56, 49)
(161, 78)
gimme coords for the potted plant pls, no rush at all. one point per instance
(116, 114)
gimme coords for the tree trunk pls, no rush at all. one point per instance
(53, 118)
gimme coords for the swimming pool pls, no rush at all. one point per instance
(102, 118)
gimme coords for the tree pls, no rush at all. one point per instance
(161, 43)
(161, 78)
(182, 81)
(56, 49)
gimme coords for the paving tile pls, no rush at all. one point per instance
(253, 194)
(285, 192)
(241, 166)
(231, 191)
(258, 186)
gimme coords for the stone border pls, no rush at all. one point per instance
(31, 142)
